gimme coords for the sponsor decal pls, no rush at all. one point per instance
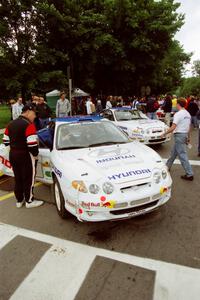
(45, 164)
(139, 135)
(5, 162)
(109, 204)
(163, 190)
(108, 159)
(129, 173)
(123, 128)
(48, 174)
(57, 172)
(89, 205)
(107, 151)
(70, 203)
(136, 130)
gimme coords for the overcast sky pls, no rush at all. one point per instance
(189, 35)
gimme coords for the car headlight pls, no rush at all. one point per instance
(164, 174)
(79, 185)
(108, 188)
(157, 177)
(94, 188)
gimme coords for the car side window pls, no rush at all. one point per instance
(108, 115)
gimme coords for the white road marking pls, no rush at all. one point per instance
(61, 271)
(192, 162)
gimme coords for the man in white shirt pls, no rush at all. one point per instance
(89, 106)
(17, 108)
(181, 128)
(63, 106)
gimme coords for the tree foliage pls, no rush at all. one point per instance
(112, 46)
(190, 86)
(196, 68)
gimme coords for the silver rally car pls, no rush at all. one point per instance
(136, 124)
(97, 173)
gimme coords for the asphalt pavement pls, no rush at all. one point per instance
(156, 256)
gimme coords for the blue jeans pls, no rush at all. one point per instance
(199, 142)
(180, 149)
(194, 121)
(152, 115)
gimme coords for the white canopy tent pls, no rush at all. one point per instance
(53, 93)
(79, 93)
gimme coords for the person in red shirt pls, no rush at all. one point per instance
(21, 136)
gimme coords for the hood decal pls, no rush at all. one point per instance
(108, 159)
(141, 173)
(109, 151)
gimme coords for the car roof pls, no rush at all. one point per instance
(123, 108)
(76, 119)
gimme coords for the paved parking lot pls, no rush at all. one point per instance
(156, 256)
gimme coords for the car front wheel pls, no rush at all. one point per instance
(59, 200)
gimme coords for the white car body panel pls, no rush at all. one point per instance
(129, 167)
(146, 130)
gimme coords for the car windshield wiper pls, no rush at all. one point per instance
(72, 147)
(106, 143)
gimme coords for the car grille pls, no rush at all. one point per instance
(157, 140)
(157, 131)
(140, 201)
(127, 188)
(134, 209)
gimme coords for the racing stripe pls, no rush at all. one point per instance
(6, 139)
(33, 161)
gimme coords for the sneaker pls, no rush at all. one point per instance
(34, 203)
(186, 177)
(19, 204)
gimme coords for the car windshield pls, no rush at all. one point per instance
(127, 115)
(88, 134)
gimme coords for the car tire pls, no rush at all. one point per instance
(59, 199)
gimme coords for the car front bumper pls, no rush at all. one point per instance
(134, 208)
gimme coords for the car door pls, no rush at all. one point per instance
(5, 166)
(43, 171)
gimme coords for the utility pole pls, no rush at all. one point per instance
(70, 88)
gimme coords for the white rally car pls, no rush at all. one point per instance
(136, 124)
(97, 173)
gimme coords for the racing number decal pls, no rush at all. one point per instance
(5, 162)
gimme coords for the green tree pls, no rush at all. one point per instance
(196, 68)
(190, 86)
(113, 46)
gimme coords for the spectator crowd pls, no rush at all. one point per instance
(153, 106)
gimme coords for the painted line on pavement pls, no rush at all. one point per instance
(68, 263)
(2, 181)
(192, 162)
(10, 195)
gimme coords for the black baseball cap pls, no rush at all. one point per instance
(30, 106)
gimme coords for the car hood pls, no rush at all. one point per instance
(144, 124)
(116, 163)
